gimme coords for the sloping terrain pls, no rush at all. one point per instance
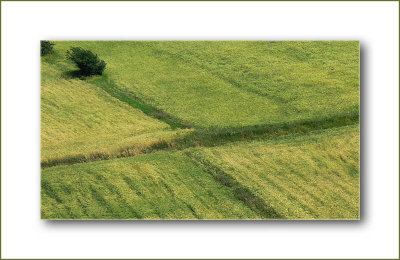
(312, 176)
(208, 130)
(228, 84)
(80, 121)
(164, 185)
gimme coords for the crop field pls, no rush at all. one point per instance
(202, 130)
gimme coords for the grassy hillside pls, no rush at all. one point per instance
(208, 130)
(156, 186)
(80, 121)
(232, 84)
(313, 176)
(297, 177)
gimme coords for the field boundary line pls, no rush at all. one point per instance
(242, 193)
(129, 98)
(204, 138)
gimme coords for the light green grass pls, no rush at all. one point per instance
(224, 84)
(157, 186)
(81, 121)
(274, 131)
(313, 176)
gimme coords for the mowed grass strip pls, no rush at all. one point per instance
(164, 185)
(311, 176)
(220, 84)
(81, 122)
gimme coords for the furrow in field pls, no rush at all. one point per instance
(201, 138)
(242, 193)
(318, 193)
(111, 88)
(291, 186)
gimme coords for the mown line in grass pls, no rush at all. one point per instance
(242, 193)
(216, 137)
(207, 137)
(231, 132)
(110, 87)
(133, 101)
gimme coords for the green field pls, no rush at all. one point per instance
(161, 185)
(299, 177)
(80, 121)
(202, 130)
(313, 176)
(205, 84)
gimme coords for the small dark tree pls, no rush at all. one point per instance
(88, 62)
(46, 47)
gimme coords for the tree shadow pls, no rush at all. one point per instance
(73, 74)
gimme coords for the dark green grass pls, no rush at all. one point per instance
(242, 193)
(112, 89)
(217, 137)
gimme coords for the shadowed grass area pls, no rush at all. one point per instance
(209, 138)
(241, 193)
(134, 102)
(218, 137)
